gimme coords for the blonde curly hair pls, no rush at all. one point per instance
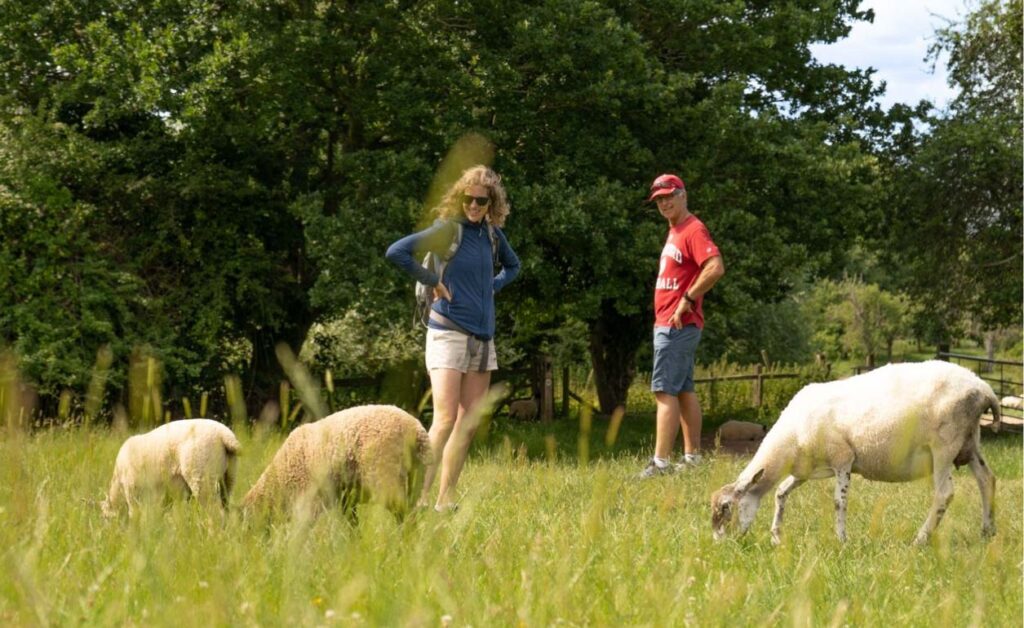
(451, 203)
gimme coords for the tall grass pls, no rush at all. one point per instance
(537, 541)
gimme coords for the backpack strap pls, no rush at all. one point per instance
(456, 241)
(453, 246)
(492, 233)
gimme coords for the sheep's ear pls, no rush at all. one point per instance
(742, 488)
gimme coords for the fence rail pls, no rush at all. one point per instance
(986, 368)
(1003, 385)
(547, 407)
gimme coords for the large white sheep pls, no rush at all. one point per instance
(195, 457)
(367, 452)
(897, 423)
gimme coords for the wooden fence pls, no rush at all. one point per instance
(996, 372)
(757, 378)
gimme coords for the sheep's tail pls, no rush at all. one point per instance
(997, 412)
(231, 445)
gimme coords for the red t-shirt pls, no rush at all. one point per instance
(688, 246)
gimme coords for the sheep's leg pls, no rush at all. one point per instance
(943, 480)
(785, 489)
(115, 495)
(201, 489)
(841, 493)
(228, 480)
(987, 486)
(130, 499)
(428, 480)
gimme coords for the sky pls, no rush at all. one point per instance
(896, 45)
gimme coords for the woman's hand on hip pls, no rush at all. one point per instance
(441, 292)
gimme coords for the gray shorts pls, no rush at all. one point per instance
(674, 353)
(447, 349)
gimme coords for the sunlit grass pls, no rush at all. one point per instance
(535, 542)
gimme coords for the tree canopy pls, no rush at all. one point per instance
(956, 216)
(207, 179)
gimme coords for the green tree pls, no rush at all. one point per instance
(957, 208)
(243, 166)
(594, 100)
(234, 152)
(870, 317)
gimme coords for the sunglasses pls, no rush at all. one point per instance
(481, 201)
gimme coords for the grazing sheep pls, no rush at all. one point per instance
(897, 423)
(741, 430)
(194, 457)
(1012, 402)
(366, 452)
(523, 409)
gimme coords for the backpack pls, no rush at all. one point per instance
(438, 263)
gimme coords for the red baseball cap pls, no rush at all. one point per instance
(665, 184)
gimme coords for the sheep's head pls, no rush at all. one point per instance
(723, 510)
(732, 499)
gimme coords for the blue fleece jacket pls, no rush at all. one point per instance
(469, 275)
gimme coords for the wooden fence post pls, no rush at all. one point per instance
(758, 385)
(547, 399)
(712, 404)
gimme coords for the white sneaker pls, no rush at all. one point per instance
(689, 461)
(653, 470)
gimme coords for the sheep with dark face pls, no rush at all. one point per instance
(895, 424)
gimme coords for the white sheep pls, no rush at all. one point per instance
(894, 424)
(195, 457)
(741, 430)
(1013, 402)
(367, 452)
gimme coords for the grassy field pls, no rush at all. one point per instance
(541, 538)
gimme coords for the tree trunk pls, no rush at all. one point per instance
(990, 351)
(265, 375)
(614, 341)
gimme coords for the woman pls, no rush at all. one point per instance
(460, 351)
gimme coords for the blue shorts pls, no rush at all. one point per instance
(674, 353)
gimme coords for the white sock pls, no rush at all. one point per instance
(694, 457)
(660, 462)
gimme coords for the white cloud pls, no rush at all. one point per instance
(896, 45)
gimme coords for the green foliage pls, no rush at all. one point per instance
(63, 292)
(871, 318)
(355, 345)
(851, 317)
(215, 179)
(957, 206)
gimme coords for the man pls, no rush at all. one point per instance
(690, 265)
